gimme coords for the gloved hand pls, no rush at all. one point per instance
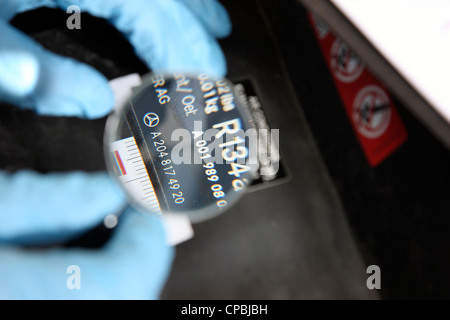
(40, 209)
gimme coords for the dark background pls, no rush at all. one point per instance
(310, 237)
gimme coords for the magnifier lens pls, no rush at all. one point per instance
(182, 145)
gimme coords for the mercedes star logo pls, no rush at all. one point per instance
(151, 119)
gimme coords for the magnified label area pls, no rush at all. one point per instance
(182, 144)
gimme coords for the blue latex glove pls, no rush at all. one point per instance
(39, 209)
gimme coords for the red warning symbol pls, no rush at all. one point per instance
(371, 112)
(346, 65)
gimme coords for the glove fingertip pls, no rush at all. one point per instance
(213, 15)
(20, 72)
(221, 25)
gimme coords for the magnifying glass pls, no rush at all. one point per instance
(183, 144)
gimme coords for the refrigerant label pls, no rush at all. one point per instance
(195, 140)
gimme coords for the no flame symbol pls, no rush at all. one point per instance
(371, 112)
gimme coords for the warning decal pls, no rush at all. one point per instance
(368, 104)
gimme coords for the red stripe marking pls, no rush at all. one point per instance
(120, 163)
